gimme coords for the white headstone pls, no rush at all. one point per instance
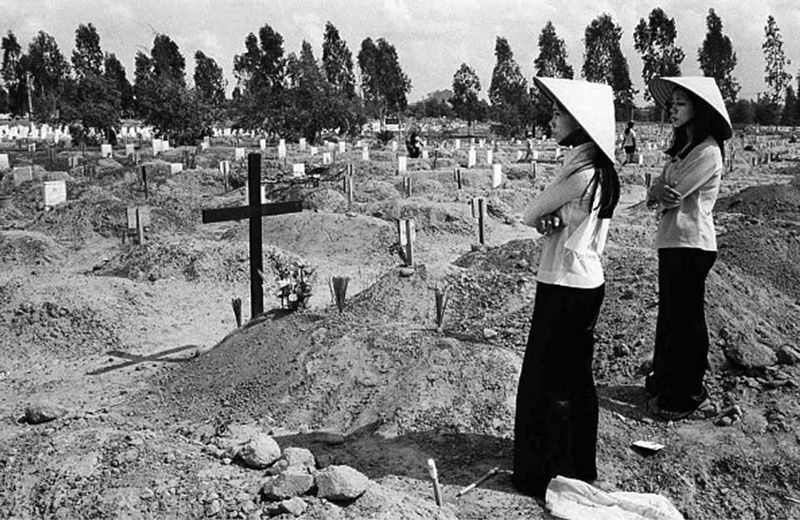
(106, 150)
(238, 154)
(402, 163)
(536, 155)
(22, 174)
(299, 169)
(4, 165)
(130, 149)
(497, 175)
(641, 159)
(471, 158)
(489, 156)
(365, 153)
(302, 144)
(342, 147)
(394, 146)
(326, 158)
(32, 147)
(519, 155)
(55, 192)
(263, 194)
(262, 144)
(482, 143)
(282, 150)
(204, 145)
(165, 144)
(359, 143)
(144, 216)
(224, 167)
(425, 154)
(175, 168)
(157, 146)
(313, 150)
(457, 145)
(331, 145)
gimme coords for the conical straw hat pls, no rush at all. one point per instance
(590, 104)
(701, 86)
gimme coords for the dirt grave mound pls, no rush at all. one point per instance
(30, 248)
(774, 201)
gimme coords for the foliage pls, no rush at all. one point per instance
(87, 57)
(717, 59)
(260, 99)
(654, 39)
(294, 284)
(115, 74)
(14, 75)
(432, 106)
(552, 59)
(790, 108)
(512, 106)
(49, 74)
(776, 78)
(175, 112)
(766, 111)
(337, 61)
(384, 136)
(551, 63)
(465, 102)
(604, 61)
(743, 112)
(383, 82)
(208, 80)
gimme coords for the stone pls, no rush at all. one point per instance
(288, 484)
(294, 506)
(747, 353)
(37, 413)
(489, 333)
(405, 272)
(259, 452)
(299, 458)
(341, 483)
(788, 355)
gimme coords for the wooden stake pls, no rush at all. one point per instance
(139, 228)
(407, 186)
(339, 287)
(437, 490)
(481, 214)
(236, 303)
(440, 296)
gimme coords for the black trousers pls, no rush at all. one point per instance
(555, 432)
(680, 359)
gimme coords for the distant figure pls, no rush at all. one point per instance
(629, 143)
(413, 145)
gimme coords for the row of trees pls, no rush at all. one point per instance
(298, 95)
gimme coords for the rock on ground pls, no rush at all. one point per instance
(37, 413)
(341, 483)
(259, 452)
(289, 484)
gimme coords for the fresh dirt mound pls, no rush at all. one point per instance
(194, 260)
(28, 248)
(775, 201)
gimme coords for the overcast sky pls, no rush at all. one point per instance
(432, 37)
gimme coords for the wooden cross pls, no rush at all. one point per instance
(253, 211)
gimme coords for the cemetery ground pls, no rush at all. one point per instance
(127, 390)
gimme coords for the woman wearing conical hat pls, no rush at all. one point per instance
(555, 431)
(685, 193)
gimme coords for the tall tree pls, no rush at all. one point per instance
(552, 59)
(168, 62)
(87, 57)
(717, 58)
(383, 81)
(259, 73)
(654, 39)
(790, 108)
(308, 92)
(512, 106)
(208, 79)
(466, 86)
(337, 60)
(115, 73)
(776, 77)
(49, 73)
(14, 70)
(604, 61)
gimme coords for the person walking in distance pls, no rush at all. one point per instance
(555, 430)
(629, 143)
(685, 194)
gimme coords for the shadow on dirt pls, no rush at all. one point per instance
(156, 357)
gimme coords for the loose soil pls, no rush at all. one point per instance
(139, 342)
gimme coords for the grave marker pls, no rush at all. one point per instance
(326, 158)
(407, 186)
(394, 146)
(158, 146)
(489, 156)
(32, 148)
(457, 144)
(22, 174)
(407, 235)
(425, 155)
(365, 153)
(106, 150)
(302, 144)
(497, 175)
(253, 211)
(262, 144)
(299, 169)
(282, 149)
(54, 192)
(342, 147)
(348, 184)
(478, 206)
(130, 149)
(402, 164)
(175, 168)
(4, 165)
(238, 154)
(471, 158)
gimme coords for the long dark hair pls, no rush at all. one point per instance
(706, 122)
(605, 175)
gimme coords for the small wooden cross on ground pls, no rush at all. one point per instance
(253, 211)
